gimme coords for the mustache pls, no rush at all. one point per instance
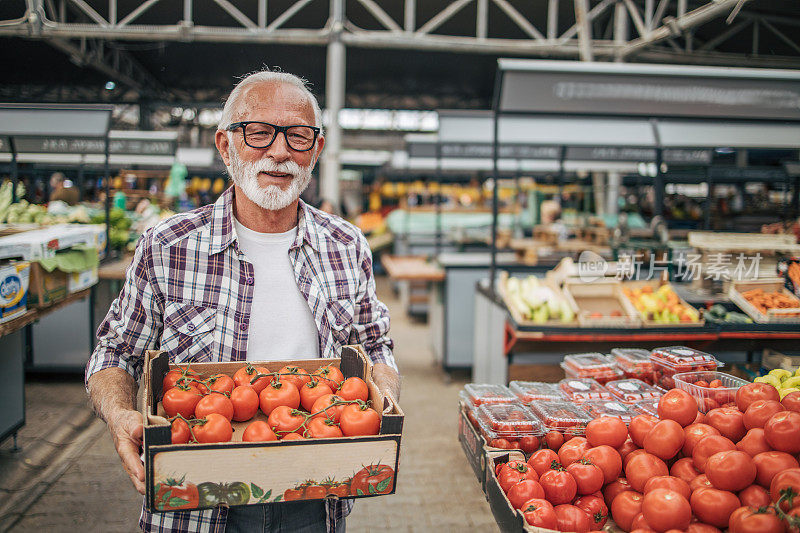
(268, 165)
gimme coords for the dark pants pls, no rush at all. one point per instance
(300, 517)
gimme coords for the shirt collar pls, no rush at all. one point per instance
(223, 235)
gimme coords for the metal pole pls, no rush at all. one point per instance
(709, 199)
(14, 169)
(438, 242)
(612, 194)
(331, 165)
(108, 198)
(495, 167)
(658, 183)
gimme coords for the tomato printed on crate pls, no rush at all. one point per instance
(174, 494)
(372, 479)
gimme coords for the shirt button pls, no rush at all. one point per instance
(243, 326)
(190, 327)
(250, 281)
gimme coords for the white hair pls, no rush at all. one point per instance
(267, 76)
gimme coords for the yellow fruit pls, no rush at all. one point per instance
(772, 380)
(784, 392)
(791, 383)
(780, 373)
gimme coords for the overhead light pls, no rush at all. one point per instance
(724, 150)
(110, 85)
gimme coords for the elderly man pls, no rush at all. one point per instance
(259, 275)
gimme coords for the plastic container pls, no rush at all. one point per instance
(528, 391)
(591, 365)
(634, 362)
(632, 390)
(479, 394)
(679, 359)
(509, 420)
(709, 398)
(598, 408)
(561, 416)
(645, 407)
(583, 389)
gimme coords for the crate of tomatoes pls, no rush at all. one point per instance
(246, 433)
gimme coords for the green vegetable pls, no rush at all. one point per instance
(717, 310)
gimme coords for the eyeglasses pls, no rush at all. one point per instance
(263, 134)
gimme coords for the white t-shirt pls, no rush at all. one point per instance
(281, 324)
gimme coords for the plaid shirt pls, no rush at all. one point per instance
(189, 291)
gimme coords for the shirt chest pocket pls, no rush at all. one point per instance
(340, 319)
(188, 334)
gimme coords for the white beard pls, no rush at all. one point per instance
(271, 197)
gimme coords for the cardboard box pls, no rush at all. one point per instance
(46, 287)
(265, 472)
(473, 445)
(14, 289)
(77, 281)
(36, 244)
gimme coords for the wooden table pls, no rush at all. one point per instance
(414, 276)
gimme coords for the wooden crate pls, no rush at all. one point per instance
(604, 297)
(655, 284)
(772, 316)
(522, 320)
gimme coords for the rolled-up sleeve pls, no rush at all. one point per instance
(371, 318)
(134, 321)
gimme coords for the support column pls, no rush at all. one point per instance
(612, 196)
(620, 29)
(598, 190)
(331, 165)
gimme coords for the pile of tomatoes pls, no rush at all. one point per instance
(297, 405)
(735, 467)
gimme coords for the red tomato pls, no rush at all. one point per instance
(596, 508)
(246, 374)
(588, 476)
(180, 431)
(700, 482)
(715, 384)
(311, 392)
(559, 486)
(666, 509)
(760, 411)
(699, 527)
(731, 470)
(522, 491)
(692, 435)
(615, 488)
(625, 507)
(279, 393)
(354, 389)
(684, 469)
(700, 418)
(785, 486)
(293, 374)
(747, 394)
(792, 401)
(665, 439)
(752, 520)
(542, 460)
(293, 436)
(324, 407)
(643, 467)
(529, 443)
(608, 460)
(245, 402)
(755, 496)
(754, 443)
(701, 383)
(330, 375)
(714, 506)
(216, 428)
(501, 443)
(707, 447)
(258, 431)
(322, 428)
(515, 467)
(284, 419)
(608, 430)
(172, 377)
(769, 464)
(540, 513)
(181, 400)
(640, 426)
(677, 405)
(573, 450)
(372, 479)
(668, 482)
(571, 518)
(221, 383)
(627, 448)
(782, 431)
(627, 458)
(359, 420)
(729, 421)
(554, 440)
(214, 402)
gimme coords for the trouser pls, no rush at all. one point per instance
(299, 517)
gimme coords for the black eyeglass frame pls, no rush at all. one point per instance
(278, 129)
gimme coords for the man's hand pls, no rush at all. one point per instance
(126, 429)
(387, 379)
(113, 395)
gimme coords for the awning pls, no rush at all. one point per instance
(694, 134)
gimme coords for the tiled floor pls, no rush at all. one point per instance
(436, 490)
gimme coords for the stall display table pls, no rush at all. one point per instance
(414, 276)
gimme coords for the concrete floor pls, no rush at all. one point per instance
(68, 468)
